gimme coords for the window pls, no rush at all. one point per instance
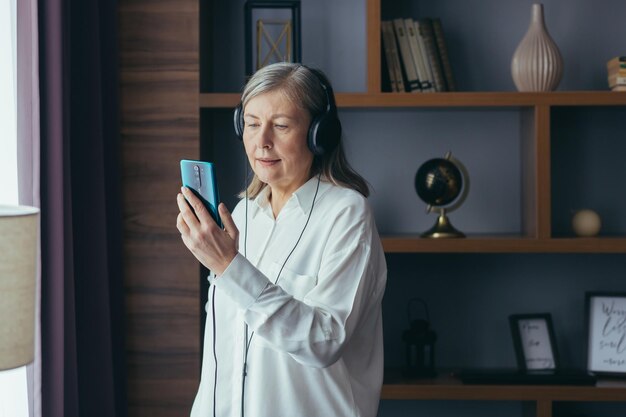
(13, 388)
(13, 394)
(8, 104)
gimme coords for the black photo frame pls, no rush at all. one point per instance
(606, 333)
(534, 341)
(273, 13)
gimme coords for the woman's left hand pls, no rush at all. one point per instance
(214, 247)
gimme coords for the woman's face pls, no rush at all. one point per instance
(275, 136)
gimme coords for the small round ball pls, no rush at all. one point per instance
(586, 223)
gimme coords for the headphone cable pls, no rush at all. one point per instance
(249, 340)
(214, 354)
(245, 254)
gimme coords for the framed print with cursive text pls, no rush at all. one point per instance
(534, 341)
(606, 324)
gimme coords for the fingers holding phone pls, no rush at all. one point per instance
(229, 223)
(199, 221)
(193, 210)
(212, 246)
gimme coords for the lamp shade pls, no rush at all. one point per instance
(18, 267)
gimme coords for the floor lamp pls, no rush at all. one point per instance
(18, 267)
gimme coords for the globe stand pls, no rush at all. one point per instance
(442, 228)
(443, 184)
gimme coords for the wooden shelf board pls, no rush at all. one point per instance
(501, 392)
(509, 244)
(460, 99)
(219, 100)
(483, 99)
(446, 387)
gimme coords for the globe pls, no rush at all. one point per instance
(443, 184)
(438, 182)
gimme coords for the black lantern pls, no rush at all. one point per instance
(272, 30)
(420, 344)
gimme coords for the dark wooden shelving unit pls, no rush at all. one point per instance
(536, 235)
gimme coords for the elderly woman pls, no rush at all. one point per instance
(298, 272)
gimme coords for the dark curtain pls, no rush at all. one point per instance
(82, 316)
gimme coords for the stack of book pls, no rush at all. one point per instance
(617, 73)
(416, 56)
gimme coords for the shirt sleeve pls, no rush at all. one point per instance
(315, 330)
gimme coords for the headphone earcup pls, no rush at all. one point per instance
(324, 134)
(238, 121)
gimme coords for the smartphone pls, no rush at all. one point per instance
(199, 177)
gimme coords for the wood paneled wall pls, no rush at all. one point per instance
(159, 68)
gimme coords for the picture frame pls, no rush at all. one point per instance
(606, 333)
(272, 33)
(534, 341)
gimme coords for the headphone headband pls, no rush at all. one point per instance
(325, 130)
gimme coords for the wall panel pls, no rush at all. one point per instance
(159, 75)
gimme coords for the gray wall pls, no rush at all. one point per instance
(481, 34)
(333, 38)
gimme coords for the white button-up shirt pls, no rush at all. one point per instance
(317, 348)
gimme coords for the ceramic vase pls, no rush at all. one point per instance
(537, 64)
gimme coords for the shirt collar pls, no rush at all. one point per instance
(303, 196)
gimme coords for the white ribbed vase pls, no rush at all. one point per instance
(537, 64)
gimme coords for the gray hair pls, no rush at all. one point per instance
(299, 84)
(303, 88)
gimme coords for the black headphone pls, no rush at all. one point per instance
(325, 130)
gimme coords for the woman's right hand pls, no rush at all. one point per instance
(214, 247)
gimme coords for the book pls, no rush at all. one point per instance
(425, 82)
(407, 59)
(422, 49)
(443, 55)
(615, 80)
(391, 56)
(617, 72)
(387, 62)
(616, 66)
(426, 30)
(386, 71)
(397, 67)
